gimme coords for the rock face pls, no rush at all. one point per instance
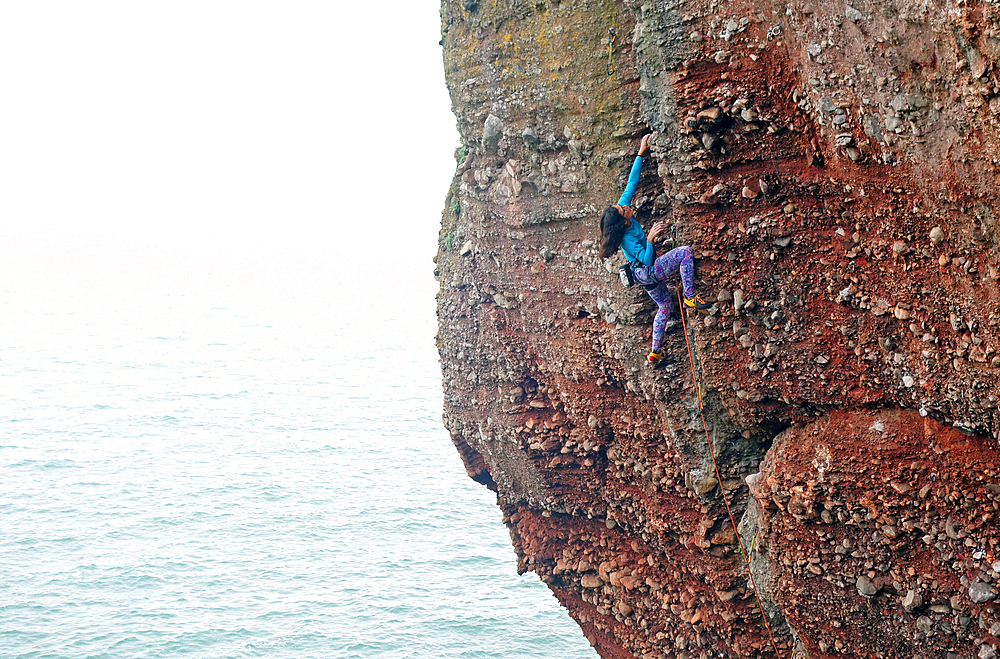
(834, 168)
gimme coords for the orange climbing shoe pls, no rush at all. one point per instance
(657, 356)
(695, 302)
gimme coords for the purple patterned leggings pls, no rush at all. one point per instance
(664, 265)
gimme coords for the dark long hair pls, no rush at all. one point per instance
(612, 230)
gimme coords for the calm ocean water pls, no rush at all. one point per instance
(218, 457)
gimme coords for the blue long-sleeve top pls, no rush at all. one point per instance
(634, 244)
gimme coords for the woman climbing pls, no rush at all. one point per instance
(619, 229)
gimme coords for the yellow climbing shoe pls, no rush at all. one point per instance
(657, 356)
(695, 302)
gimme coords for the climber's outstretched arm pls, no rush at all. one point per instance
(633, 177)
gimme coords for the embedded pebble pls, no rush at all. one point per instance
(866, 587)
(842, 139)
(710, 115)
(912, 601)
(937, 235)
(705, 485)
(981, 592)
(900, 488)
(492, 132)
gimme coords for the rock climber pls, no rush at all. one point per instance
(619, 228)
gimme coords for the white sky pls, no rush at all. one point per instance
(213, 123)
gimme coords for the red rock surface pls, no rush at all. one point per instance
(837, 183)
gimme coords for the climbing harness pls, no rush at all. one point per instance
(649, 274)
(626, 274)
(718, 475)
(774, 32)
(611, 51)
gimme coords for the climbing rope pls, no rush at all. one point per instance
(718, 475)
(611, 51)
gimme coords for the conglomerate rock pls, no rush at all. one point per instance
(833, 166)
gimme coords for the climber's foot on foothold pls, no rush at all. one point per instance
(695, 302)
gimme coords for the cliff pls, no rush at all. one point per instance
(834, 168)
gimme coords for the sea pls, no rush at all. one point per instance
(208, 454)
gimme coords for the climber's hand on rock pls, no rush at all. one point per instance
(644, 146)
(657, 229)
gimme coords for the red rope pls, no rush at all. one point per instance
(718, 475)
